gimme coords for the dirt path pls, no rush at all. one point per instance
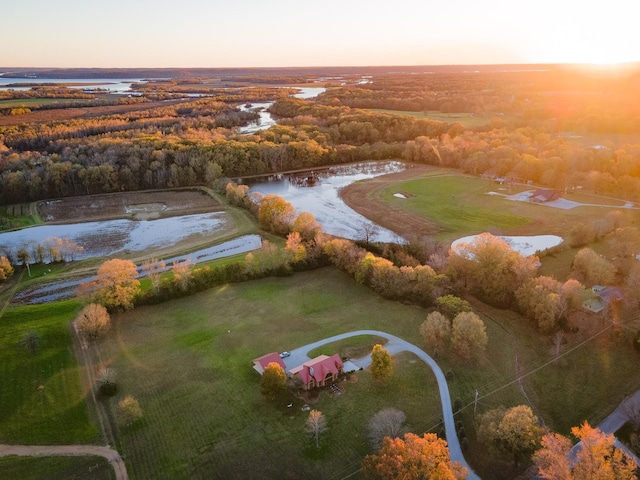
(112, 456)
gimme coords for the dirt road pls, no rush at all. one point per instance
(112, 456)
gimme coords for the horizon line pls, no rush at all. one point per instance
(590, 64)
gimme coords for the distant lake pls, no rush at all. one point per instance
(113, 85)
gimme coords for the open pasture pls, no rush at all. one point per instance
(46, 468)
(469, 120)
(189, 364)
(453, 205)
(41, 400)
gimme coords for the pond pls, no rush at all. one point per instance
(110, 237)
(60, 290)
(524, 245)
(317, 192)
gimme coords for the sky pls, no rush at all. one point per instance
(282, 33)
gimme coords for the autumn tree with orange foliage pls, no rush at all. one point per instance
(93, 322)
(596, 458)
(116, 285)
(412, 457)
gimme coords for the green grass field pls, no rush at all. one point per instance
(203, 418)
(188, 362)
(47, 468)
(41, 399)
(467, 119)
(460, 205)
(37, 102)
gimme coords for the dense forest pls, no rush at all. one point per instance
(563, 128)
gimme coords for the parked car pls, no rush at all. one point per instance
(285, 354)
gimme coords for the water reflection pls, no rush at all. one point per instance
(112, 85)
(55, 291)
(317, 192)
(266, 120)
(122, 235)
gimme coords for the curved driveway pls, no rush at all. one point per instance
(396, 345)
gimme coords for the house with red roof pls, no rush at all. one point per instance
(259, 364)
(319, 371)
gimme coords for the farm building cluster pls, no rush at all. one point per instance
(320, 371)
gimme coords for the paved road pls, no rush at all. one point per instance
(612, 424)
(396, 345)
(68, 450)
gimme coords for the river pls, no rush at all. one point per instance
(266, 120)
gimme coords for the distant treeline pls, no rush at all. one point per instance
(530, 137)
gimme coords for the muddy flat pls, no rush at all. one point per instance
(149, 205)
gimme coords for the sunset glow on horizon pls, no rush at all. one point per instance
(285, 33)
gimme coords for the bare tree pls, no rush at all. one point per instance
(152, 268)
(316, 424)
(368, 231)
(388, 422)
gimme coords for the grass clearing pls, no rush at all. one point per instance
(46, 468)
(188, 362)
(469, 120)
(42, 400)
(352, 347)
(457, 204)
(460, 205)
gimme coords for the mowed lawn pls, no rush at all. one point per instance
(188, 362)
(461, 205)
(41, 399)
